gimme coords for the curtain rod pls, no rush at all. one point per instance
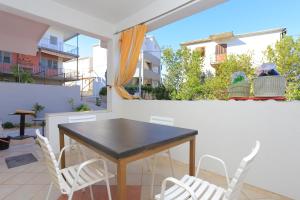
(159, 16)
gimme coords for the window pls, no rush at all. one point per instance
(221, 49)
(54, 64)
(148, 65)
(49, 63)
(201, 50)
(0, 56)
(53, 40)
(6, 57)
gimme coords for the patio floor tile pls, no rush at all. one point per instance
(31, 182)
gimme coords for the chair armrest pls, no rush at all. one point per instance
(64, 149)
(89, 162)
(216, 159)
(176, 182)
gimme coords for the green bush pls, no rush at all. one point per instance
(161, 93)
(82, 107)
(103, 91)
(21, 75)
(36, 108)
(27, 124)
(7, 125)
(131, 89)
(147, 88)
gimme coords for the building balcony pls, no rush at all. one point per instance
(60, 49)
(41, 72)
(217, 59)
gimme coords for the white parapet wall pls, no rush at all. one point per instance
(229, 129)
(53, 119)
(23, 96)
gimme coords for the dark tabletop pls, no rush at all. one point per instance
(122, 137)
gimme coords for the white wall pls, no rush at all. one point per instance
(53, 119)
(84, 65)
(45, 40)
(99, 67)
(93, 67)
(254, 45)
(228, 129)
(22, 96)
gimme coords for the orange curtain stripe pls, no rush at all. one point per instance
(131, 42)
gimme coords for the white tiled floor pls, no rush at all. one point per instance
(30, 182)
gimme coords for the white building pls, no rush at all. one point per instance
(92, 70)
(216, 47)
(54, 50)
(150, 63)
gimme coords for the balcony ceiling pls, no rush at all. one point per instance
(20, 35)
(103, 18)
(111, 11)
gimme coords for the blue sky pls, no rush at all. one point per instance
(239, 16)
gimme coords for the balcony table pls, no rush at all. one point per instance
(23, 114)
(123, 141)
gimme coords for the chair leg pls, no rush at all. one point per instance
(171, 163)
(70, 151)
(148, 164)
(153, 177)
(91, 192)
(70, 196)
(49, 191)
(108, 188)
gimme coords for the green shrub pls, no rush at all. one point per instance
(27, 124)
(7, 125)
(103, 91)
(131, 89)
(37, 108)
(161, 93)
(147, 88)
(82, 107)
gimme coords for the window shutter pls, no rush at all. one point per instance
(53, 40)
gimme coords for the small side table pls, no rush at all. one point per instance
(43, 123)
(22, 114)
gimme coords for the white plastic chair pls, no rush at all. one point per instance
(76, 177)
(163, 121)
(193, 188)
(76, 119)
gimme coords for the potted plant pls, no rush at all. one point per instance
(103, 94)
(37, 108)
(4, 139)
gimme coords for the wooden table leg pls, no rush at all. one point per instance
(61, 145)
(121, 180)
(192, 156)
(22, 125)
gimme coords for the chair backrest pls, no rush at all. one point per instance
(162, 120)
(51, 161)
(82, 118)
(236, 184)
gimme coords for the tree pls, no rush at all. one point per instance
(174, 68)
(286, 55)
(215, 87)
(183, 73)
(193, 64)
(21, 75)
